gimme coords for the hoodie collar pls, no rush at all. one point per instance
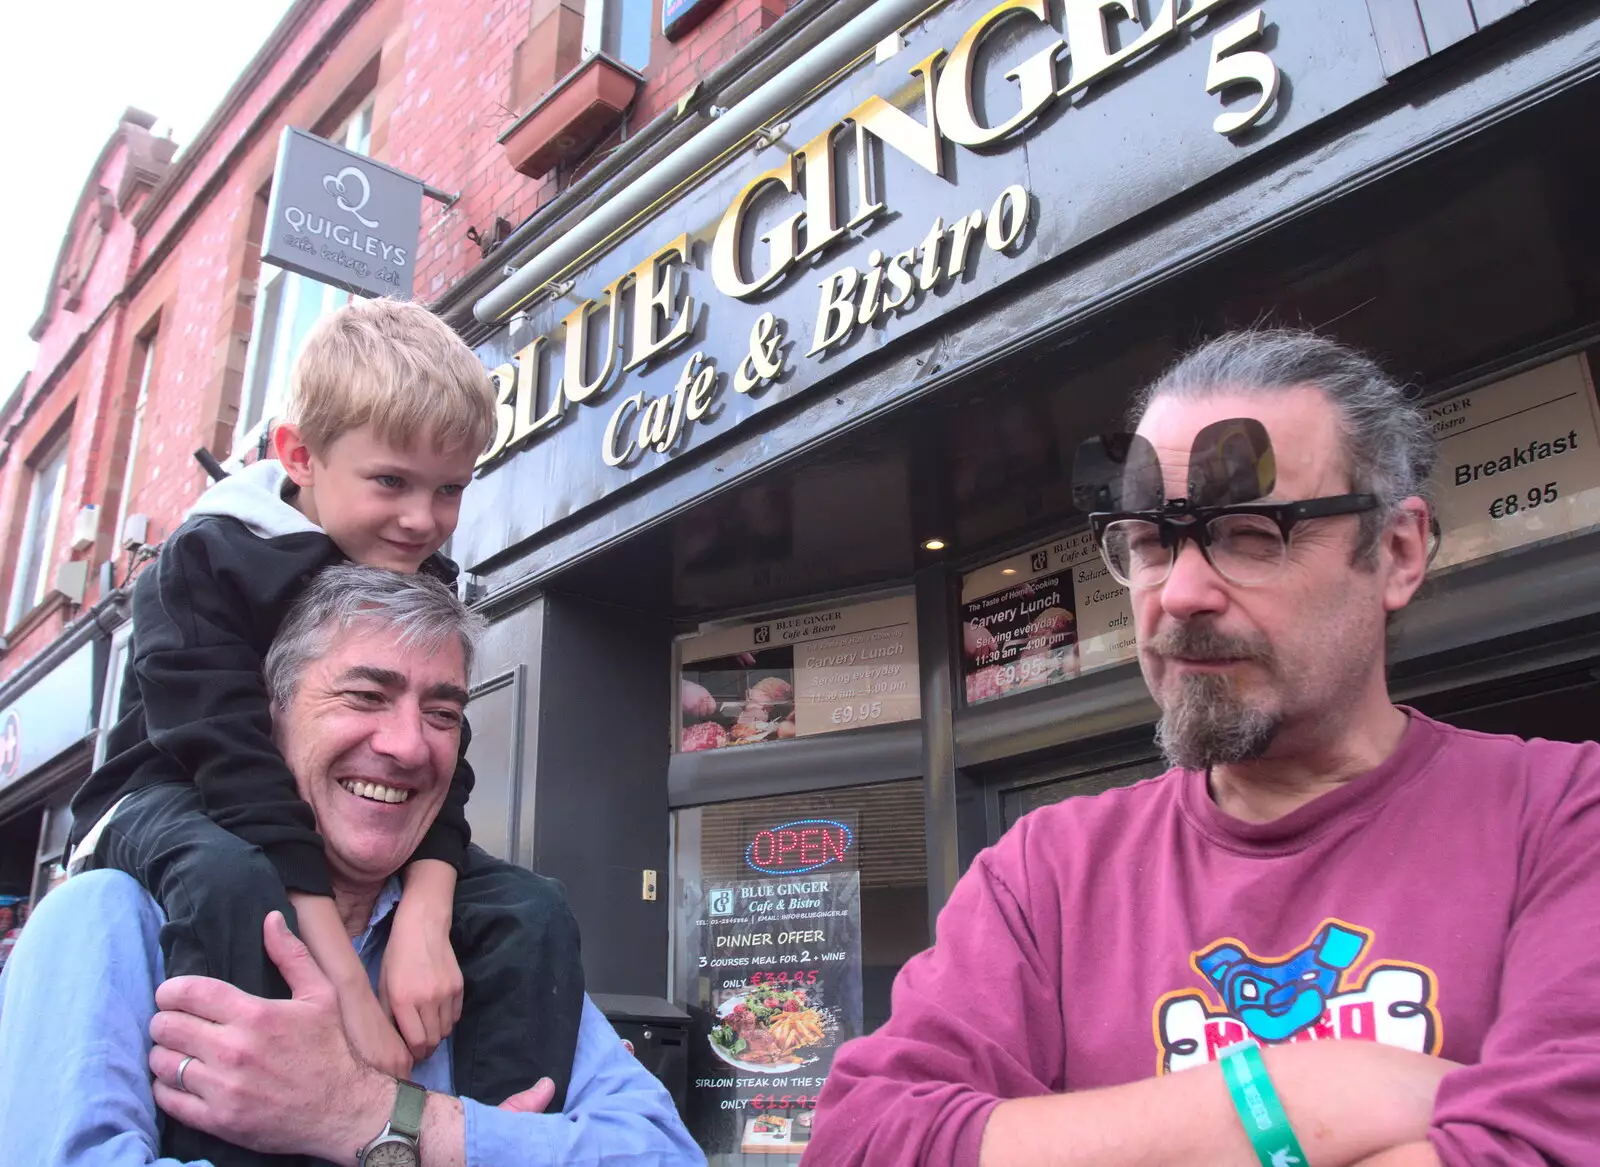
(255, 497)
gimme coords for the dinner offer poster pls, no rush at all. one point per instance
(775, 981)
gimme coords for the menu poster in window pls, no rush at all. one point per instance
(776, 945)
(796, 676)
(1519, 461)
(1040, 618)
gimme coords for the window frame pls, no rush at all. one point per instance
(51, 457)
(147, 349)
(54, 827)
(603, 30)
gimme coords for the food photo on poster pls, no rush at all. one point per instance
(736, 700)
(774, 943)
(798, 675)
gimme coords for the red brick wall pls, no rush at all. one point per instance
(441, 99)
(75, 351)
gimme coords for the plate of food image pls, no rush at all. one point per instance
(769, 1031)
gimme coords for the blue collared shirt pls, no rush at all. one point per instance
(77, 996)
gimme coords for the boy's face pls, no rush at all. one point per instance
(383, 506)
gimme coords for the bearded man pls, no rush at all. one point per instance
(1336, 931)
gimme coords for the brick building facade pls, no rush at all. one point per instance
(785, 576)
(171, 274)
(162, 333)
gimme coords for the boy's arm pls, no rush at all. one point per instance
(421, 984)
(366, 1026)
(204, 614)
(449, 835)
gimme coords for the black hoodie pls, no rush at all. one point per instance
(194, 704)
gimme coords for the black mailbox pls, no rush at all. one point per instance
(658, 1031)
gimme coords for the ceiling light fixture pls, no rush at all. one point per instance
(933, 545)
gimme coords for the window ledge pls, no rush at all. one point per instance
(37, 615)
(582, 108)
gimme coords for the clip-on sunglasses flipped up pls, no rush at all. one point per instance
(1117, 479)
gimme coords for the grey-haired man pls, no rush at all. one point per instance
(369, 677)
(1401, 912)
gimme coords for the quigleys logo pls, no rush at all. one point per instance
(800, 846)
(344, 186)
(1311, 994)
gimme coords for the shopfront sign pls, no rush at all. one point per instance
(796, 676)
(341, 218)
(1001, 137)
(1519, 461)
(56, 713)
(1040, 618)
(776, 948)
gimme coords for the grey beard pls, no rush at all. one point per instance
(1207, 725)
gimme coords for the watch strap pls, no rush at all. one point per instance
(409, 1102)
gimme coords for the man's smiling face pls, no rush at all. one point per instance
(372, 736)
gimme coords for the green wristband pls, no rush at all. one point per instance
(1259, 1109)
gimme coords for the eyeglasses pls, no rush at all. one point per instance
(1246, 543)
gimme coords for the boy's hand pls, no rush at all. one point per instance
(373, 1038)
(420, 984)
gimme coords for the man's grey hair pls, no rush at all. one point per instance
(1388, 446)
(418, 609)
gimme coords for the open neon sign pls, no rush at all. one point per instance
(800, 846)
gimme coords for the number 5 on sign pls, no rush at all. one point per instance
(1253, 67)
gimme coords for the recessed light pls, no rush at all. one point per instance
(933, 545)
(1008, 571)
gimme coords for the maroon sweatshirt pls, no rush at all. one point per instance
(1448, 902)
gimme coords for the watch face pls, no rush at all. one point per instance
(392, 1152)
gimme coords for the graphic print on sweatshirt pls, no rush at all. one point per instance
(1316, 992)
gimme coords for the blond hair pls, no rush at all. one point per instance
(397, 367)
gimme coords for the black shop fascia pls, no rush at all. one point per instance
(911, 187)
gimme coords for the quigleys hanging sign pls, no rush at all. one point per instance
(340, 217)
(998, 138)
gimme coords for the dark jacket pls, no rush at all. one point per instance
(194, 705)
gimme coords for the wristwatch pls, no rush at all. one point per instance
(396, 1146)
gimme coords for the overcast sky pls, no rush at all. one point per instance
(67, 71)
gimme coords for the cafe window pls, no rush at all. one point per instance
(287, 306)
(621, 29)
(145, 357)
(1047, 615)
(827, 669)
(792, 916)
(1047, 788)
(117, 668)
(48, 871)
(1519, 462)
(47, 477)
